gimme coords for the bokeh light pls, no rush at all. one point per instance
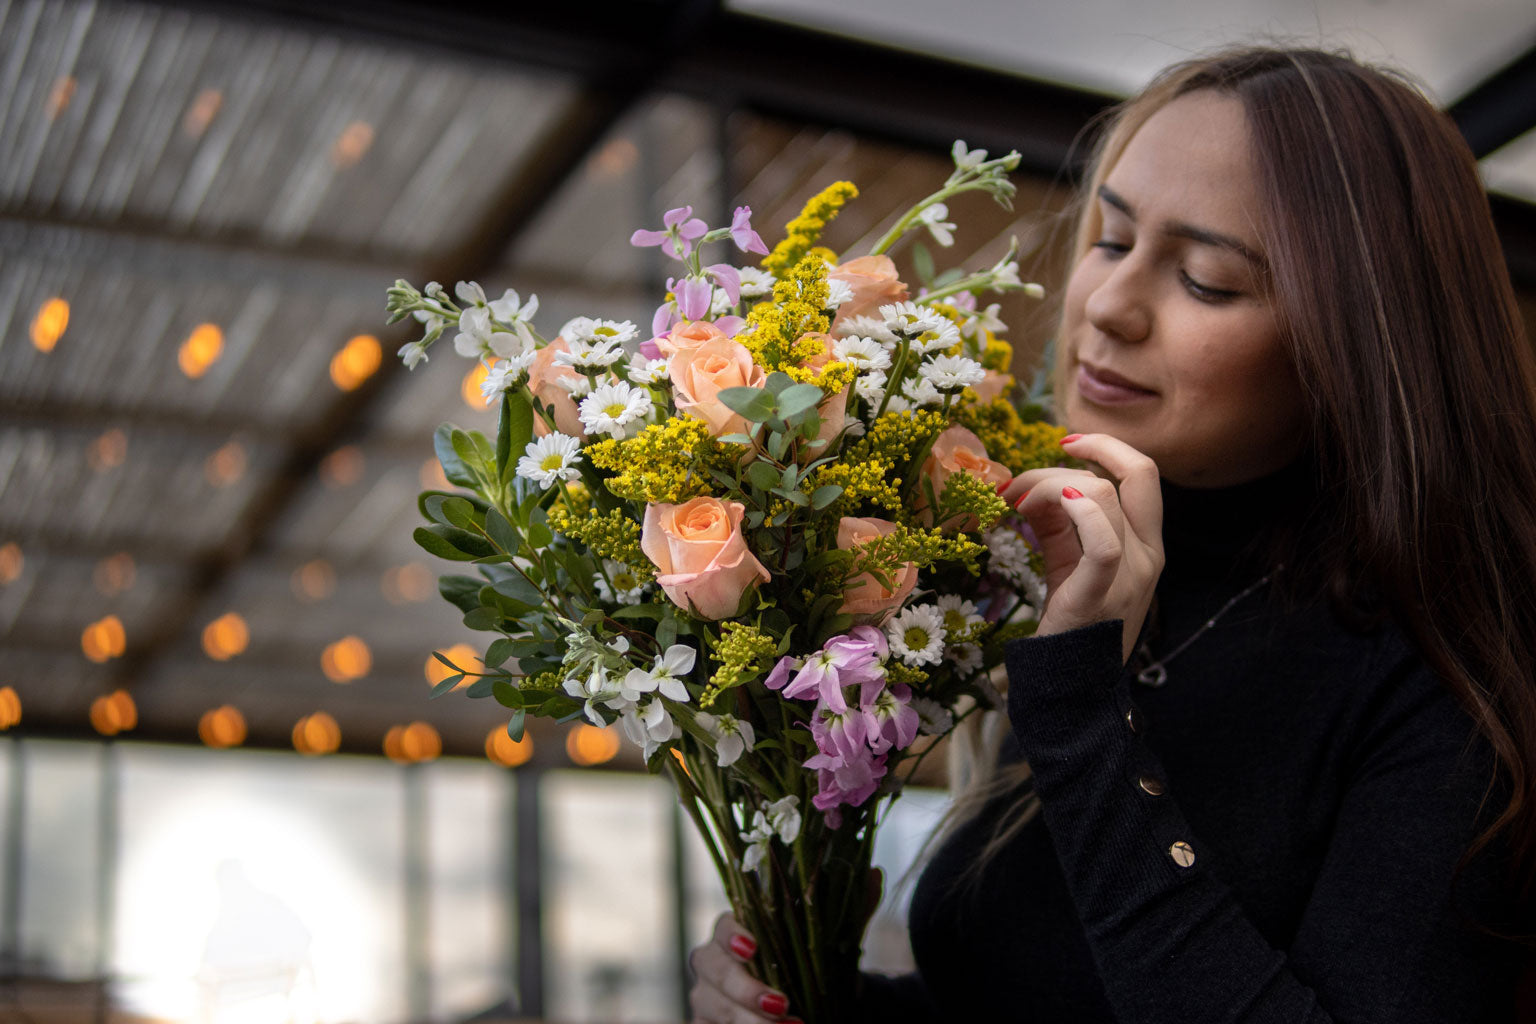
(202, 112)
(431, 476)
(114, 574)
(222, 727)
(49, 323)
(60, 96)
(357, 360)
(313, 581)
(410, 583)
(225, 637)
(343, 467)
(505, 751)
(11, 562)
(462, 655)
(316, 734)
(411, 744)
(104, 639)
(10, 708)
(588, 745)
(226, 465)
(346, 659)
(469, 390)
(113, 713)
(107, 451)
(201, 350)
(351, 145)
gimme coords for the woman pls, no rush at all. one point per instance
(1279, 717)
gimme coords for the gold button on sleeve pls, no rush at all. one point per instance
(1151, 786)
(1133, 719)
(1182, 853)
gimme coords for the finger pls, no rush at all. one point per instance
(1045, 497)
(1082, 594)
(1030, 478)
(1141, 494)
(718, 968)
(711, 1005)
(732, 936)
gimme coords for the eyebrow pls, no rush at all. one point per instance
(1182, 229)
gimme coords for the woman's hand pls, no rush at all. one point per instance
(1102, 539)
(724, 992)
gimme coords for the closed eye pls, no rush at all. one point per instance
(1205, 293)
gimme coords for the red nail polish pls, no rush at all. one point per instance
(773, 1003)
(1070, 438)
(1004, 486)
(743, 946)
(1071, 492)
(1018, 505)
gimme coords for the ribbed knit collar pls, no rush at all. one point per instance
(1211, 535)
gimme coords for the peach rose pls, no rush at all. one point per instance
(700, 374)
(866, 598)
(993, 385)
(954, 450)
(544, 375)
(688, 335)
(874, 283)
(833, 411)
(703, 562)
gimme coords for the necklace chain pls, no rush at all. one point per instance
(1156, 673)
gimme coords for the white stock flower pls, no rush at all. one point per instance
(933, 718)
(648, 727)
(838, 292)
(784, 816)
(647, 371)
(965, 657)
(626, 587)
(732, 736)
(757, 839)
(412, 352)
(755, 282)
(941, 229)
(552, 457)
(960, 615)
(1006, 274)
(967, 158)
(952, 374)
(917, 635)
(612, 407)
(863, 354)
(470, 293)
(474, 338)
(597, 688)
(665, 675)
(989, 319)
(509, 309)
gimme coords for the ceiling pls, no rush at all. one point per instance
(268, 169)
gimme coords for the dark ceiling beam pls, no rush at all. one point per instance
(1500, 108)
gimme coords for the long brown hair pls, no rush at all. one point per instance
(1392, 295)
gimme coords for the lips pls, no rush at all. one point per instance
(1105, 387)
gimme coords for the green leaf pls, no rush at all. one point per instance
(763, 475)
(507, 695)
(755, 404)
(796, 498)
(540, 535)
(463, 592)
(483, 619)
(513, 431)
(666, 631)
(825, 495)
(483, 448)
(778, 444)
(432, 541)
(790, 477)
(460, 513)
(922, 262)
(464, 448)
(480, 688)
(448, 683)
(755, 519)
(799, 398)
(454, 467)
(734, 439)
(640, 611)
(778, 381)
(516, 725)
(498, 652)
(501, 532)
(518, 588)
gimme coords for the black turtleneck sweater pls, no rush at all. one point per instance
(1323, 786)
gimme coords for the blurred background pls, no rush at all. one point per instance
(224, 796)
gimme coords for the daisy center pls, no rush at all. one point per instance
(614, 410)
(552, 463)
(954, 621)
(916, 637)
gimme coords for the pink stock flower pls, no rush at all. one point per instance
(845, 781)
(853, 659)
(742, 234)
(727, 278)
(891, 720)
(680, 228)
(780, 674)
(840, 734)
(692, 295)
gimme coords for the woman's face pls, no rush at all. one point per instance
(1170, 333)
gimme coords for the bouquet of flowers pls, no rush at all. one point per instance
(766, 541)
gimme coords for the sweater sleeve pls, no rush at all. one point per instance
(1379, 940)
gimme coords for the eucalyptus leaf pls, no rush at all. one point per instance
(499, 651)
(433, 542)
(516, 724)
(464, 448)
(518, 588)
(734, 439)
(825, 495)
(446, 686)
(755, 404)
(480, 688)
(483, 619)
(666, 631)
(763, 475)
(507, 695)
(463, 592)
(799, 398)
(540, 535)
(778, 381)
(460, 513)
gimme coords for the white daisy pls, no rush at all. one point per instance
(933, 718)
(952, 374)
(588, 354)
(720, 303)
(626, 588)
(838, 292)
(862, 353)
(921, 392)
(1010, 560)
(577, 327)
(960, 616)
(506, 374)
(755, 282)
(579, 386)
(944, 335)
(965, 657)
(917, 635)
(732, 736)
(908, 319)
(870, 387)
(552, 457)
(612, 407)
(647, 371)
(867, 327)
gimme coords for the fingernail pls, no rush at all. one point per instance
(1070, 438)
(1071, 492)
(743, 946)
(1018, 505)
(773, 1003)
(1004, 486)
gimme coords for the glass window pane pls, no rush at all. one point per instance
(906, 828)
(60, 858)
(259, 885)
(469, 810)
(608, 922)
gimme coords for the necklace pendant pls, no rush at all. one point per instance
(1153, 675)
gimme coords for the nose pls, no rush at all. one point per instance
(1119, 304)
